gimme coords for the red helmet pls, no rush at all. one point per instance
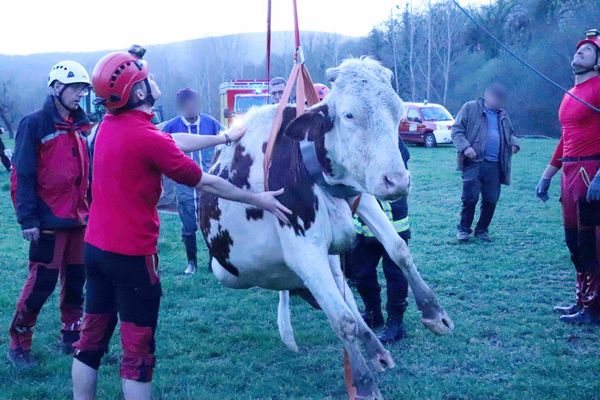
(592, 37)
(321, 90)
(114, 76)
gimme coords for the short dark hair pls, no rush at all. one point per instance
(185, 94)
(132, 102)
(277, 81)
(497, 89)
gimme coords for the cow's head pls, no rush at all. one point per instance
(355, 130)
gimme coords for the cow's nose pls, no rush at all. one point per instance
(397, 184)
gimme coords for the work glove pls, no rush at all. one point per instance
(593, 193)
(541, 190)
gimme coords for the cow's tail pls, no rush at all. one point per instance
(284, 321)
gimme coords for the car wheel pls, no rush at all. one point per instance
(430, 141)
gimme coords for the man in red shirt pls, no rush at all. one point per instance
(121, 262)
(49, 185)
(578, 154)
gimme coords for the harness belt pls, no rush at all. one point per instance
(311, 162)
(595, 157)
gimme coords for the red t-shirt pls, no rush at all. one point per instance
(130, 155)
(580, 124)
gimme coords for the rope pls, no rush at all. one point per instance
(268, 42)
(521, 60)
(305, 93)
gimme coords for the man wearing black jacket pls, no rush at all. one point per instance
(49, 185)
(365, 256)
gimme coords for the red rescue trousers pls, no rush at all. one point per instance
(582, 230)
(54, 254)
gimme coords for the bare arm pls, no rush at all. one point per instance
(188, 142)
(265, 200)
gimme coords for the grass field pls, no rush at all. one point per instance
(216, 343)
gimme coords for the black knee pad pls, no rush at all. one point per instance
(90, 358)
(45, 282)
(74, 281)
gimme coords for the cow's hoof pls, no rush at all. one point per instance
(383, 361)
(441, 324)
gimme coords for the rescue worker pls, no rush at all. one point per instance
(191, 121)
(365, 256)
(321, 90)
(49, 185)
(121, 260)
(276, 89)
(578, 154)
(485, 140)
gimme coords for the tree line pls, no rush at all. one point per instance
(435, 52)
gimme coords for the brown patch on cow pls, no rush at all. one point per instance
(254, 214)
(220, 248)
(240, 168)
(288, 171)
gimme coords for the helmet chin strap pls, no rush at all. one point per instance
(59, 97)
(150, 100)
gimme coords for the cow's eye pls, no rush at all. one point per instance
(349, 115)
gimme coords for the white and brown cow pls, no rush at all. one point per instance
(354, 132)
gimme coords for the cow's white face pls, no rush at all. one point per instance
(356, 129)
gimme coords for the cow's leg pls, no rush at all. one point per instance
(433, 315)
(379, 357)
(284, 321)
(309, 261)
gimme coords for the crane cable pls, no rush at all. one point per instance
(521, 60)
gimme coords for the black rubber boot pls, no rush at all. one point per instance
(66, 342)
(568, 310)
(371, 297)
(393, 331)
(583, 317)
(373, 318)
(191, 251)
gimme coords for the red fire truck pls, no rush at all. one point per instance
(238, 96)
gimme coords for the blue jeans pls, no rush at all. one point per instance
(187, 207)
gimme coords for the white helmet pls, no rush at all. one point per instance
(67, 72)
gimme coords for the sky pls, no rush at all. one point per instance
(40, 26)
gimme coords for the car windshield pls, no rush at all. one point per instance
(244, 103)
(436, 114)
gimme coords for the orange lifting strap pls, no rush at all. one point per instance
(305, 94)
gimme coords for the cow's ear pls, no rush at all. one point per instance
(312, 125)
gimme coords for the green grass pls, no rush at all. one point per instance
(220, 343)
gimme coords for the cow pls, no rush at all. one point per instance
(352, 138)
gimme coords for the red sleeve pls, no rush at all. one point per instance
(558, 153)
(170, 160)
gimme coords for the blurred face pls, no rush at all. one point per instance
(493, 100)
(71, 94)
(585, 57)
(190, 108)
(276, 92)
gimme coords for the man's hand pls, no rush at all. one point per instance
(267, 201)
(236, 132)
(31, 234)
(515, 149)
(593, 193)
(469, 153)
(541, 190)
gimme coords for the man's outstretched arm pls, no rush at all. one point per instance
(188, 142)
